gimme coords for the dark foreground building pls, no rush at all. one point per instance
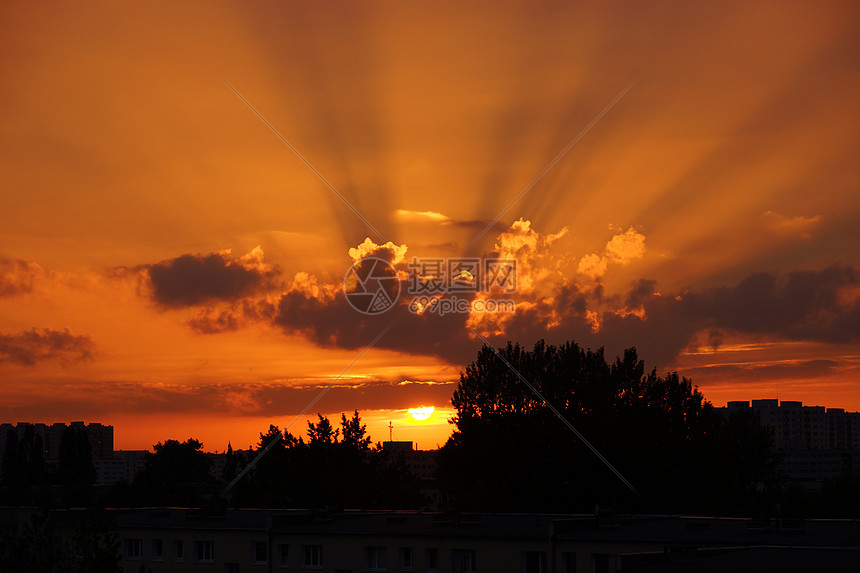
(265, 541)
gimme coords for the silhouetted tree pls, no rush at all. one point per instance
(354, 432)
(271, 481)
(335, 468)
(508, 452)
(174, 474)
(322, 432)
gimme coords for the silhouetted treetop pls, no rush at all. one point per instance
(322, 432)
(509, 452)
(174, 473)
(354, 432)
(577, 381)
(335, 468)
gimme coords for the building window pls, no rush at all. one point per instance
(406, 559)
(374, 558)
(602, 563)
(312, 556)
(231, 568)
(259, 552)
(534, 562)
(462, 561)
(431, 560)
(568, 563)
(134, 548)
(157, 550)
(178, 550)
(205, 551)
(283, 555)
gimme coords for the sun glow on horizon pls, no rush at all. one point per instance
(422, 413)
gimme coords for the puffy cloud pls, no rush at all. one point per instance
(538, 277)
(321, 312)
(625, 247)
(310, 285)
(536, 260)
(18, 277)
(622, 249)
(820, 306)
(190, 280)
(593, 265)
(389, 251)
(33, 346)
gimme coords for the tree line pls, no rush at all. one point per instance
(510, 452)
(334, 467)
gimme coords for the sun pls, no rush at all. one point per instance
(421, 413)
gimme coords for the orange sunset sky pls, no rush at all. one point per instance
(169, 266)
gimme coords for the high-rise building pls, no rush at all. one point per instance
(99, 435)
(814, 442)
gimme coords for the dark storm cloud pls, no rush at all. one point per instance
(33, 346)
(821, 306)
(334, 323)
(215, 321)
(330, 321)
(189, 280)
(802, 305)
(641, 292)
(229, 318)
